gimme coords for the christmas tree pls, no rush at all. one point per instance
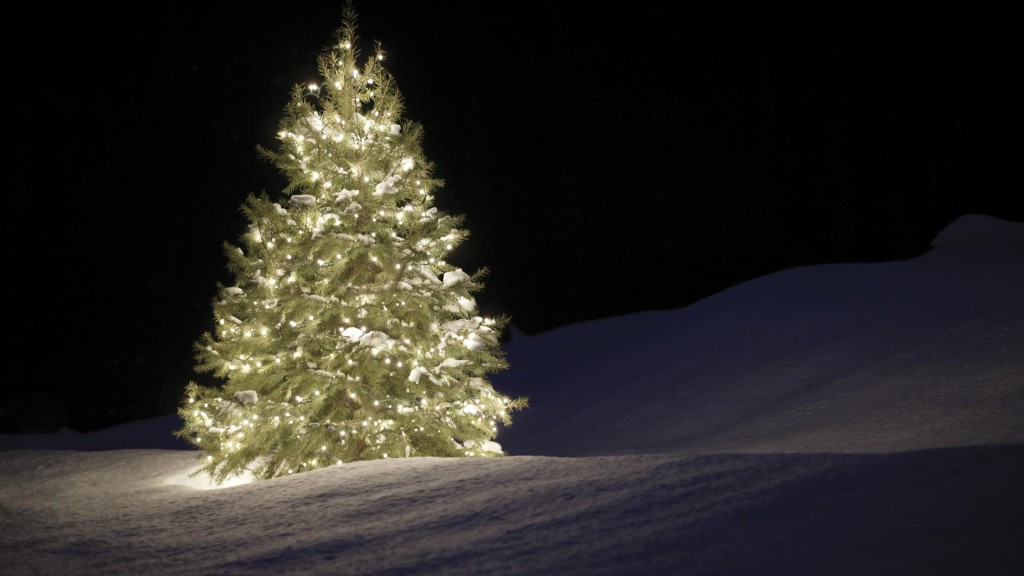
(346, 335)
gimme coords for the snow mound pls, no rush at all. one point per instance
(151, 433)
(842, 419)
(849, 358)
(978, 230)
(191, 477)
(911, 355)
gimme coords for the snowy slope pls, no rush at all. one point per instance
(845, 419)
(925, 353)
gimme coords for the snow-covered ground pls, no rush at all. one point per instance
(839, 419)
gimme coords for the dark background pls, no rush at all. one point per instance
(608, 161)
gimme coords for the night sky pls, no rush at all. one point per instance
(607, 161)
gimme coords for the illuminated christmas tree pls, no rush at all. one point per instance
(347, 335)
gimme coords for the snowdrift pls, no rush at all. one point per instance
(841, 419)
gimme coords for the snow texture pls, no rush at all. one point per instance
(418, 372)
(388, 186)
(835, 419)
(454, 277)
(247, 397)
(345, 194)
(352, 333)
(474, 342)
(302, 200)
